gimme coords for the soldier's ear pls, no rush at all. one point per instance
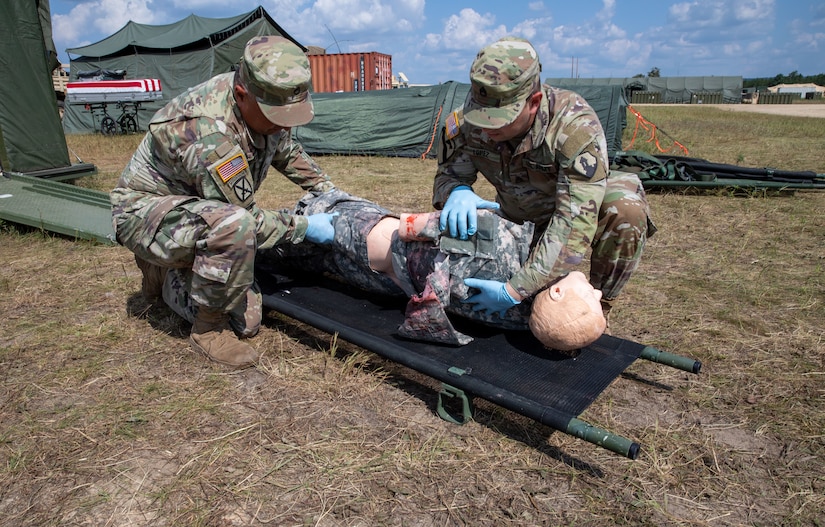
(240, 91)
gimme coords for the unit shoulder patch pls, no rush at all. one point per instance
(233, 179)
(587, 164)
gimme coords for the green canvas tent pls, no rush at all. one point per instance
(686, 90)
(31, 136)
(180, 55)
(405, 122)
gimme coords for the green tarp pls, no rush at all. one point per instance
(181, 55)
(31, 137)
(400, 123)
(405, 122)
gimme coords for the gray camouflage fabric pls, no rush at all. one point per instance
(186, 200)
(556, 177)
(431, 272)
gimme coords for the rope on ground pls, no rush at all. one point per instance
(652, 129)
(435, 130)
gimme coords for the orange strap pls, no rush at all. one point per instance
(435, 130)
(653, 137)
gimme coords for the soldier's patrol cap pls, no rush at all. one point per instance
(277, 73)
(502, 78)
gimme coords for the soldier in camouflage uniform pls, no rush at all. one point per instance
(185, 203)
(408, 255)
(544, 151)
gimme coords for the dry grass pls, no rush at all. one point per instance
(109, 419)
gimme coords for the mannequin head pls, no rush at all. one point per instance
(568, 315)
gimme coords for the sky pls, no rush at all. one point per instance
(436, 41)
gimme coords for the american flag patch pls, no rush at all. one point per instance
(232, 167)
(451, 125)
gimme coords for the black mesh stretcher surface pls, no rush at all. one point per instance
(508, 368)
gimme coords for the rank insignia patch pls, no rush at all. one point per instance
(232, 167)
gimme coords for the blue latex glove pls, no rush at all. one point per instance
(492, 296)
(320, 228)
(460, 212)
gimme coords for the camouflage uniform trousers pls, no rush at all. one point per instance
(210, 248)
(624, 227)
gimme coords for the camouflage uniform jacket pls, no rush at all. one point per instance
(554, 177)
(198, 146)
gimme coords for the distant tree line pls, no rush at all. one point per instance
(793, 77)
(654, 72)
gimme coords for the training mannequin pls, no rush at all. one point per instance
(378, 251)
(568, 315)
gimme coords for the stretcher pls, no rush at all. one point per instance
(54, 206)
(508, 368)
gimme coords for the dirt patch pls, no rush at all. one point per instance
(109, 418)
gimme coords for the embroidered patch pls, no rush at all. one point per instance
(232, 167)
(586, 164)
(243, 189)
(451, 126)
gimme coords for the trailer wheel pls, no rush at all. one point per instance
(128, 125)
(108, 126)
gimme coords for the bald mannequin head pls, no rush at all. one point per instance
(568, 315)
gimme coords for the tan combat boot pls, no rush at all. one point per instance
(212, 336)
(153, 278)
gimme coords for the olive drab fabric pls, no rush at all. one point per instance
(31, 136)
(180, 55)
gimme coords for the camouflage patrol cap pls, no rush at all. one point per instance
(277, 73)
(503, 76)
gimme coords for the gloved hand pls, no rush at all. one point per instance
(460, 212)
(320, 228)
(492, 297)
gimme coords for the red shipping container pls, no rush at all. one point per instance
(346, 72)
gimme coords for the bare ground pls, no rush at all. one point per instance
(108, 418)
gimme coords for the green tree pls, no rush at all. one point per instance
(793, 77)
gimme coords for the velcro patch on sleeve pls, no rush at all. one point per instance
(452, 126)
(232, 178)
(233, 166)
(576, 141)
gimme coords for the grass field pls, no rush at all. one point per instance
(108, 418)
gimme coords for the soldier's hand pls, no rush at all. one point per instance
(321, 229)
(460, 213)
(492, 297)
